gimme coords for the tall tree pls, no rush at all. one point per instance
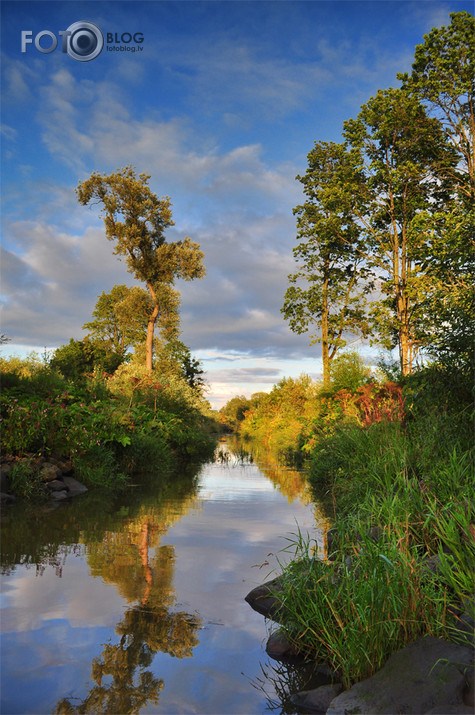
(443, 78)
(136, 219)
(401, 151)
(326, 291)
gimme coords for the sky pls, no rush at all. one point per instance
(220, 103)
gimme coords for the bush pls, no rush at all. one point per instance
(106, 434)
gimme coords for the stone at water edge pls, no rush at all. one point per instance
(316, 701)
(59, 496)
(264, 599)
(279, 647)
(426, 676)
(55, 485)
(74, 486)
(50, 471)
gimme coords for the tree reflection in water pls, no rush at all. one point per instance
(144, 631)
(122, 682)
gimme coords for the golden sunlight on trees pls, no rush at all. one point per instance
(391, 209)
(328, 290)
(136, 219)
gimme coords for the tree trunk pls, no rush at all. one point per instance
(150, 330)
(404, 336)
(325, 346)
(325, 349)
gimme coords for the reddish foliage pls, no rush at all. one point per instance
(377, 403)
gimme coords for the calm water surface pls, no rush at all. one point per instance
(136, 604)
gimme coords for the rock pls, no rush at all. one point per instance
(264, 599)
(62, 463)
(425, 675)
(432, 564)
(7, 498)
(465, 627)
(279, 647)
(66, 466)
(60, 495)
(316, 701)
(50, 471)
(55, 485)
(469, 695)
(74, 486)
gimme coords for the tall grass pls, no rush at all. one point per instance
(352, 614)
(403, 551)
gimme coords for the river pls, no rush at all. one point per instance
(135, 603)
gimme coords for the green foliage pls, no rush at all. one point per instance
(348, 372)
(174, 357)
(120, 318)
(108, 428)
(283, 419)
(234, 411)
(413, 485)
(98, 467)
(327, 289)
(392, 208)
(30, 376)
(442, 77)
(60, 424)
(25, 481)
(354, 616)
(80, 357)
(399, 148)
(298, 413)
(136, 220)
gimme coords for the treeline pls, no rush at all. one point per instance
(386, 232)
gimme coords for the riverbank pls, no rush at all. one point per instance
(105, 428)
(430, 675)
(399, 564)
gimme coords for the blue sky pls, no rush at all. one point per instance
(221, 106)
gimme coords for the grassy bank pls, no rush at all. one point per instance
(395, 465)
(109, 427)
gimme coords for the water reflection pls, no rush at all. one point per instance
(147, 578)
(147, 628)
(132, 558)
(289, 481)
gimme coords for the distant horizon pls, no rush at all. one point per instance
(220, 103)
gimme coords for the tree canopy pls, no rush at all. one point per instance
(331, 266)
(136, 219)
(390, 213)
